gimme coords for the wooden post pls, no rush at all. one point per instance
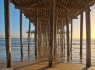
(39, 44)
(21, 39)
(58, 38)
(29, 40)
(46, 37)
(88, 34)
(40, 33)
(81, 35)
(64, 43)
(46, 41)
(36, 35)
(71, 37)
(62, 37)
(7, 33)
(67, 26)
(52, 22)
(55, 34)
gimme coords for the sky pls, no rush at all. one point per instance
(15, 23)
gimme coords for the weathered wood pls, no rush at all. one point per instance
(55, 35)
(81, 35)
(52, 21)
(46, 18)
(71, 37)
(39, 39)
(21, 38)
(36, 35)
(62, 37)
(7, 33)
(29, 40)
(67, 26)
(88, 34)
(58, 39)
(40, 35)
(40, 32)
(29, 7)
(46, 41)
(46, 37)
(70, 9)
(64, 43)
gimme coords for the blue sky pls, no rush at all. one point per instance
(14, 22)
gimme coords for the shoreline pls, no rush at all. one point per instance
(14, 62)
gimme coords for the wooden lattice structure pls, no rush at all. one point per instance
(49, 16)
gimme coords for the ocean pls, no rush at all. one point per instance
(15, 44)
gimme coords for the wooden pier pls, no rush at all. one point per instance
(50, 17)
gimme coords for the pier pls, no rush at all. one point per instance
(50, 17)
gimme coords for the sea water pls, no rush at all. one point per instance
(15, 47)
(15, 44)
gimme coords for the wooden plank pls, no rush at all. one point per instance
(81, 35)
(43, 17)
(7, 33)
(29, 40)
(21, 39)
(70, 9)
(52, 21)
(67, 26)
(88, 34)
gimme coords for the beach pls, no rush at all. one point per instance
(15, 43)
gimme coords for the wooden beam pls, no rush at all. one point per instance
(55, 35)
(27, 7)
(81, 35)
(46, 41)
(46, 18)
(40, 32)
(88, 34)
(67, 26)
(52, 22)
(64, 43)
(36, 34)
(21, 39)
(62, 26)
(41, 8)
(71, 37)
(71, 9)
(39, 39)
(29, 40)
(7, 33)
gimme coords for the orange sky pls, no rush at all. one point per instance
(76, 25)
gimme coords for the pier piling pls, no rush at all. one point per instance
(7, 33)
